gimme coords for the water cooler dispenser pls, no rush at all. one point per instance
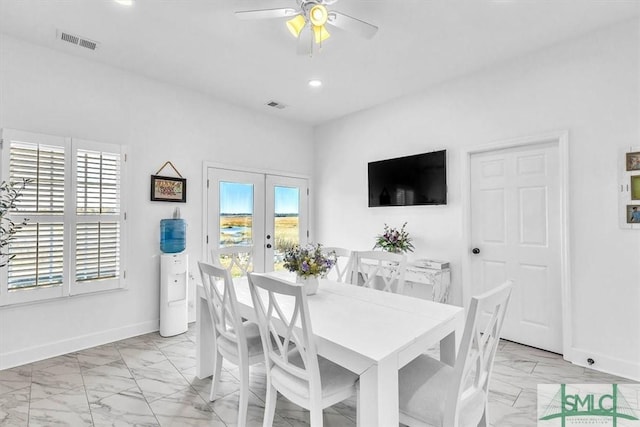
(174, 275)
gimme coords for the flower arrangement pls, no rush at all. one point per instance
(394, 240)
(308, 261)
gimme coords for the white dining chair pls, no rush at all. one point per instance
(435, 394)
(342, 266)
(235, 340)
(378, 270)
(239, 256)
(293, 367)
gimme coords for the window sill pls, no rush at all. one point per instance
(60, 298)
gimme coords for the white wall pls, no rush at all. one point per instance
(588, 86)
(45, 91)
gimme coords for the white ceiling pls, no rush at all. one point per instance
(200, 44)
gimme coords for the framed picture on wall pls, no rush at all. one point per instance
(168, 189)
(633, 214)
(635, 187)
(633, 161)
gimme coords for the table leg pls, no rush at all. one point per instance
(204, 337)
(378, 398)
(449, 345)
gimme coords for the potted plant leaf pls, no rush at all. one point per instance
(10, 192)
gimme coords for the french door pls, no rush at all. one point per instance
(267, 211)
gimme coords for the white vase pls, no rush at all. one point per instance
(310, 283)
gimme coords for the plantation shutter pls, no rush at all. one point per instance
(39, 256)
(44, 166)
(98, 222)
(98, 182)
(97, 250)
(72, 242)
(38, 248)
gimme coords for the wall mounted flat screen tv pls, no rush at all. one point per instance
(406, 181)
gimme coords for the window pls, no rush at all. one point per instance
(74, 238)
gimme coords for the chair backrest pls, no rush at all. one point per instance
(378, 270)
(468, 394)
(285, 326)
(222, 302)
(342, 266)
(237, 259)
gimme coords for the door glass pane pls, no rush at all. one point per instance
(236, 214)
(286, 226)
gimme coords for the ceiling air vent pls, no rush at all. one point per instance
(276, 104)
(77, 40)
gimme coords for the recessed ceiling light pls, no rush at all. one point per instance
(315, 83)
(124, 2)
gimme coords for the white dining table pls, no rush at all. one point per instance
(370, 332)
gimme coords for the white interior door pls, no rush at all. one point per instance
(247, 208)
(516, 234)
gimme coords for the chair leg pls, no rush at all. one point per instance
(243, 403)
(270, 405)
(315, 416)
(483, 421)
(217, 370)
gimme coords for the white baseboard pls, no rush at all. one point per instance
(53, 349)
(607, 364)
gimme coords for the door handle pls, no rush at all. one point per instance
(268, 245)
(475, 251)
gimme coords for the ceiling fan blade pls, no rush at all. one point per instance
(352, 24)
(267, 13)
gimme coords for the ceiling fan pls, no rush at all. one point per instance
(307, 22)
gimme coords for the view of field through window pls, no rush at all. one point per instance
(236, 218)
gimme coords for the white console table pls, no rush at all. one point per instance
(416, 277)
(426, 283)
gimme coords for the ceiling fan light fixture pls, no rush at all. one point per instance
(320, 33)
(309, 21)
(318, 15)
(296, 24)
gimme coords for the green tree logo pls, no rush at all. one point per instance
(583, 408)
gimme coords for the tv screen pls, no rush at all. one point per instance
(407, 181)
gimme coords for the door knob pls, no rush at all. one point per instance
(268, 245)
(475, 251)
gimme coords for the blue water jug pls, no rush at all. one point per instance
(173, 235)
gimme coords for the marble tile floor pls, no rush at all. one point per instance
(150, 381)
